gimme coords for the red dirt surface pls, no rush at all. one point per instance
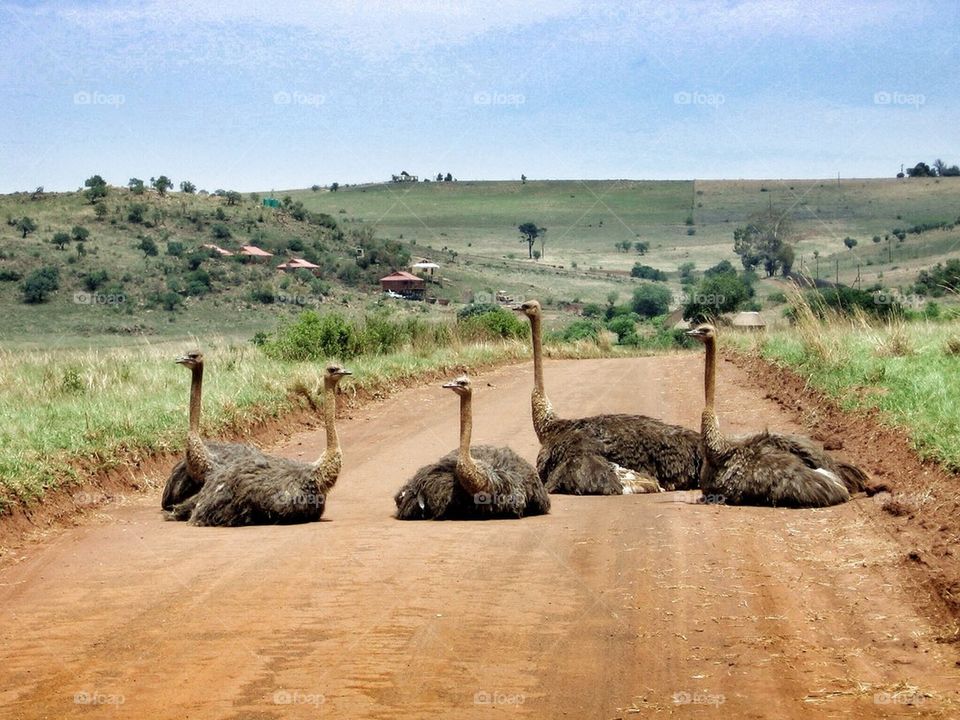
(610, 607)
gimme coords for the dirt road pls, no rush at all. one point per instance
(634, 606)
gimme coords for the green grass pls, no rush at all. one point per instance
(901, 368)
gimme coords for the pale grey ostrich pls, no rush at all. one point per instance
(472, 482)
(611, 454)
(259, 489)
(188, 475)
(766, 469)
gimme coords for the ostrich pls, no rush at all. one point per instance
(188, 475)
(766, 469)
(259, 489)
(606, 454)
(478, 482)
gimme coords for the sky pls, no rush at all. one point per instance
(254, 95)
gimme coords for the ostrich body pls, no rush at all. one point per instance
(767, 468)
(614, 454)
(188, 475)
(260, 489)
(479, 482)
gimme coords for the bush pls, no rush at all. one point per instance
(136, 212)
(647, 272)
(650, 300)
(581, 330)
(625, 326)
(313, 337)
(95, 279)
(39, 284)
(220, 231)
(593, 310)
(175, 248)
(263, 293)
(492, 323)
(8, 275)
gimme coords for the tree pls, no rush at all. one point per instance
(529, 234)
(921, 169)
(26, 226)
(136, 186)
(641, 247)
(161, 184)
(233, 197)
(650, 300)
(850, 242)
(96, 188)
(136, 212)
(939, 167)
(759, 243)
(80, 233)
(148, 246)
(188, 187)
(716, 294)
(523, 179)
(39, 284)
(785, 258)
(448, 177)
(334, 187)
(61, 240)
(100, 210)
(439, 177)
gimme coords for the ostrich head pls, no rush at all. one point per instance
(334, 373)
(461, 386)
(703, 332)
(531, 308)
(192, 359)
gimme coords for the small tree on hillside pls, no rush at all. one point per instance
(26, 226)
(96, 188)
(148, 246)
(850, 242)
(188, 187)
(61, 240)
(136, 186)
(39, 284)
(100, 210)
(334, 187)
(529, 233)
(80, 233)
(232, 197)
(161, 184)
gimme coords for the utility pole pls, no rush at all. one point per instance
(838, 271)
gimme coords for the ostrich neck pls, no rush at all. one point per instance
(540, 403)
(326, 469)
(470, 476)
(709, 424)
(198, 458)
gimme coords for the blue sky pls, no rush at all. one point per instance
(255, 95)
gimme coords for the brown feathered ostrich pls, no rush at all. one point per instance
(612, 454)
(472, 482)
(259, 489)
(188, 475)
(766, 469)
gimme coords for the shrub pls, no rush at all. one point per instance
(8, 275)
(492, 323)
(39, 284)
(95, 279)
(647, 272)
(650, 300)
(313, 336)
(581, 330)
(136, 212)
(220, 231)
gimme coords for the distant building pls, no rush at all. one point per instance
(748, 321)
(299, 264)
(255, 253)
(426, 267)
(218, 250)
(403, 283)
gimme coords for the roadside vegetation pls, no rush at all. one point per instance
(906, 365)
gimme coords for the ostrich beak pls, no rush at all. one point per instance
(449, 385)
(182, 360)
(345, 372)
